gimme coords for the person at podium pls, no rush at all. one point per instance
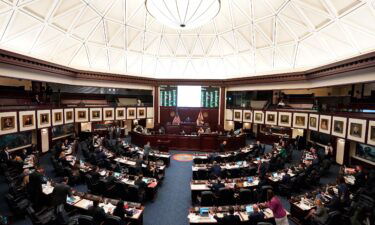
(200, 131)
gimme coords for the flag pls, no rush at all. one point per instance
(176, 120)
(200, 118)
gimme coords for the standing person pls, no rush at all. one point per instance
(146, 150)
(275, 205)
(4, 156)
(35, 189)
(222, 146)
(329, 151)
(60, 192)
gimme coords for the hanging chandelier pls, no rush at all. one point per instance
(183, 14)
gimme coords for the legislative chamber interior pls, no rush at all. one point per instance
(187, 112)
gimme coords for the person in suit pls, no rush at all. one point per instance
(138, 164)
(343, 192)
(286, 178)
(334, 203)
(146, 150)
(230, 219)
(35, 189)
(256, 216)
(5, 156)
(110, 179)
(262, 167)
(222, 146)
(215, 170)
(216, 186)
(61, 192)
(140, 183)
(97, 213)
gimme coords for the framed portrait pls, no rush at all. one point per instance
(357, 129)
(271, 118)
(68, 116)
(8, 122)
(95, 114)
(313, 122)
(57, 117)
(131, 113)
(150, 112)
(258, 117)
(325, 124)
(228, 114)
(371, 132)
(247, 116)
(120, 114)
(141, 113)
(300, 120)
(44, 118)
(109, 113)
(285, 119)
(237, 115)
(339, 126)
(81, 114)
(27, 120)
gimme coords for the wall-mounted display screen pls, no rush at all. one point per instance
(168, 96)
(210, 97)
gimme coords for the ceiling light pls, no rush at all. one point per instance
(183, 14)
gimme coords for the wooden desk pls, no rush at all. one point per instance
(204, 142)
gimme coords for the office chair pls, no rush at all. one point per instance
(207, 198)
(226, 197)
(85, 220)
(134, 194)
(112, 220)
(245, 197)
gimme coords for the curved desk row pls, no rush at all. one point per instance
(204, 142)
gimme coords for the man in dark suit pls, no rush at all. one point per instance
(262, 168)
(60, 192)
(35, 189)
(215, 170)
(222, 146)
(4, 156)
(216, 186)
(97, 213)
(334, 203)
(256, 216)
(230, 219)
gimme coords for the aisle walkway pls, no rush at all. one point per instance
(173, 201)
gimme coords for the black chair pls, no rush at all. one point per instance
(334, 217)
(245, 197)
(226, 197)
(112, 220)
(85, 220)
(263, 193)
(121, 190)
(134, 194)
(40, 218)
(207, 198)
(17, 205)
(264, 223)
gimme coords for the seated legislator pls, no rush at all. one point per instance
(215, 170)
(120, 210)
(230, 219)
(318, 215)
(97, 213)
(256, 216)
(216, 186)
(222, 146)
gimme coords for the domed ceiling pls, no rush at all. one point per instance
(246, 38)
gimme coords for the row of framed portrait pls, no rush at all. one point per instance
(29, 120)
(344, 127)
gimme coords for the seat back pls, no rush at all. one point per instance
(207, 198)
(246, 196)
(226, 196)
(112, 220)
(85, 220)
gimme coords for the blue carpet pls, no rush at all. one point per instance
(173, 199)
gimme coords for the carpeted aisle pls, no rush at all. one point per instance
(173, 200)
